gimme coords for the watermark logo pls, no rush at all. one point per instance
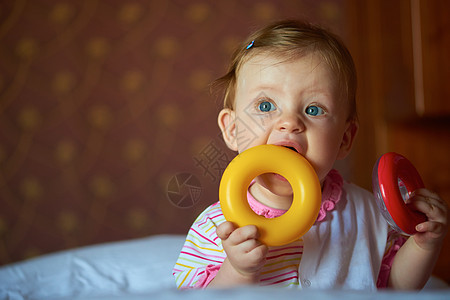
(213, 160)
(184, 190)
(245, 134)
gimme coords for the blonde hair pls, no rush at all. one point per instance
(294, 39)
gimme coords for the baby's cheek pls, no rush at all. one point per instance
(321, 169)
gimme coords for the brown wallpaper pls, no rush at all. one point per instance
(107, 128)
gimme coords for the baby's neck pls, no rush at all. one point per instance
(266, 197)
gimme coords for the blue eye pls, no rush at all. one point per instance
(266, 106)
(314, 110)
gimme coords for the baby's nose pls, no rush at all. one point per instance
(290, 123)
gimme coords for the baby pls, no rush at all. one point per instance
(294, 84)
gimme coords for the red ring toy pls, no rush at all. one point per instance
(391, 175)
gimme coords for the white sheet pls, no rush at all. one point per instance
(142, 269)
(135, 266)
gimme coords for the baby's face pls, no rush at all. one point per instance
(292, 103)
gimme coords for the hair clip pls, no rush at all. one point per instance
(250, 45)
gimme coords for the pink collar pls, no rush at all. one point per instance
(331, 194)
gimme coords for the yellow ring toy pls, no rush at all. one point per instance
(307, 196)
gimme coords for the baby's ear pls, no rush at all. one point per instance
(348, 138)
(227, 124)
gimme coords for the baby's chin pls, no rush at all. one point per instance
(279, 177)
(275, 183)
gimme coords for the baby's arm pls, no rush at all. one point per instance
(415, 260)
(245, 256)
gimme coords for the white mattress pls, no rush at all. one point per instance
(142, 269)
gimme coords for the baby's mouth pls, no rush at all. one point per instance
(291, 148)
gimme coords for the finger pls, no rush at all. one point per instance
(225, 229)
(432, 207)
(430, 226)
(430, 197)
(244, 233)
(426, 193)
(257, 256)
(260, 251)
(433, 212)
(426, 203)
(249, 245)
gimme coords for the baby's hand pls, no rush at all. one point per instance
(245, 253)
(431, 233)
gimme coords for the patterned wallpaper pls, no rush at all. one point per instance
(107, 127)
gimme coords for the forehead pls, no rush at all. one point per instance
(267, 68)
